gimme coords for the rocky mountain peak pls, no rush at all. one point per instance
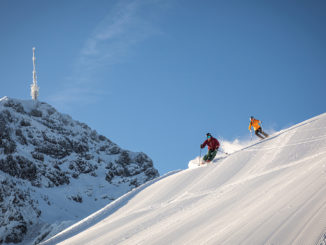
(55, 170)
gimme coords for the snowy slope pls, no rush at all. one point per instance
(271, 192)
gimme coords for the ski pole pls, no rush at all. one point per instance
(223, 152)
(250, 135)
(199, 156)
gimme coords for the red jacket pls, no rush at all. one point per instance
(212, 144)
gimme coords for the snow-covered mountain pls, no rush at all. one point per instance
(270, 192)
(55, 171)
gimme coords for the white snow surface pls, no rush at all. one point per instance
(269, 192)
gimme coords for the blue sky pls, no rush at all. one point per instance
(157, 75)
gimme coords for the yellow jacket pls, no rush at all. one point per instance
(254, 123)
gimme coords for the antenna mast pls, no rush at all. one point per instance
(34, 87)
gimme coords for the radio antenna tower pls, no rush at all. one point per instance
(34, 87)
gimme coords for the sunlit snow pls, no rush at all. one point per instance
(265, 192)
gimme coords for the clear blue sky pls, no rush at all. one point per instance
(156, 75)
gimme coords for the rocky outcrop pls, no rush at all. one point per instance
(46, 158)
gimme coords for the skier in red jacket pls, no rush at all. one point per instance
(212, 145)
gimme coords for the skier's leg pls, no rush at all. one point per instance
(266, 135)
(257, 133)
(260, 130)
(206, 157)
(211, 155)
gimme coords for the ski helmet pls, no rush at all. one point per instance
(251, 118)
(208, 135)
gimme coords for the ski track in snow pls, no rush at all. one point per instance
(103, 213)
(270, 192)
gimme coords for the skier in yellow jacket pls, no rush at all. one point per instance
(257, 127)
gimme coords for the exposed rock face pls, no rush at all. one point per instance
(55, 171)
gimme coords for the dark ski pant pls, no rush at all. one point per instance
(259, 131)
(210, 155)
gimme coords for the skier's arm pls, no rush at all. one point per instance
(250, 126)
(217, 144)
(203, 144)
